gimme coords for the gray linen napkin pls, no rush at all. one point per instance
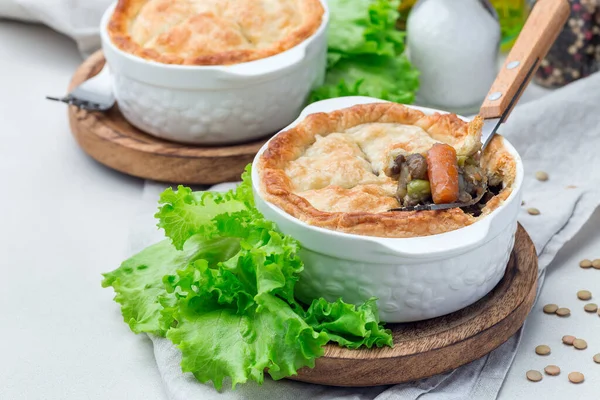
(80, 20)
(559, 134)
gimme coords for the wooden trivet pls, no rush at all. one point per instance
(111, 140)
(427, 348)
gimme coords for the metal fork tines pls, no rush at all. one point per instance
(80, 102)
(428, 207)
(95, 94)
(431, 207)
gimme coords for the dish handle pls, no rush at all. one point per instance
(279, 64)
(442, 245)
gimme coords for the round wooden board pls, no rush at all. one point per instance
(438, 345)
(111, 140)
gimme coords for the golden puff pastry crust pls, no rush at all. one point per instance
(212, 32)
(297, 171)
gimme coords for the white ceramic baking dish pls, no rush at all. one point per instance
(413, 278)
(216, 104)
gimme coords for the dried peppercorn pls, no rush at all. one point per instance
(576, 52)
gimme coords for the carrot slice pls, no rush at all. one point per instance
(442, 169)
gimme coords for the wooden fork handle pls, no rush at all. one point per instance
(541, 29)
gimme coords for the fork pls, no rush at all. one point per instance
(95, 94)
(426, 207)
(537, 36)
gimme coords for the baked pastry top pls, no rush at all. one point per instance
(337, 170)
(212, 32)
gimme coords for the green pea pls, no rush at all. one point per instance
(461, 160)
(418, 188)
(471, 161)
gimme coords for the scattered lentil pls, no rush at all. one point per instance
(550, 308)
(596, 263)
(534, 376)
(584, 295)
(568, 339)
(542, 350)
(533, 211)
(597, 358)
(585, 263)
(552, 370)
(541, 176)
(576, 377)
(563, 312)
(580, 344)
(591, 307)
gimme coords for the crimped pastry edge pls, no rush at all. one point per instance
(119, 36)
(277, 188)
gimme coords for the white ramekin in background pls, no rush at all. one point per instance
(413, 278)
(216, 104)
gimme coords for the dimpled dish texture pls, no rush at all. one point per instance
(414, 277)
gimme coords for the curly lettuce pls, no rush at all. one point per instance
(365, 53)
(221, 287)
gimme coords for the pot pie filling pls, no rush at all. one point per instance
(347, 169)
(212, 32)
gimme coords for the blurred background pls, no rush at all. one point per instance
(458, 42)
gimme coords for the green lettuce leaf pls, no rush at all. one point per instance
(365, 53)
(179, 215)
(347, 324)
(392, 79)
(234, 318)
(222, 290)
(364, 27)
(221, 343)
(184, 213)
(138, 282)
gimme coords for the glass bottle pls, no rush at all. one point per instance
(404, 10)
(511, 15)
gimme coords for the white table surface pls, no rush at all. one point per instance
(65, 220)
